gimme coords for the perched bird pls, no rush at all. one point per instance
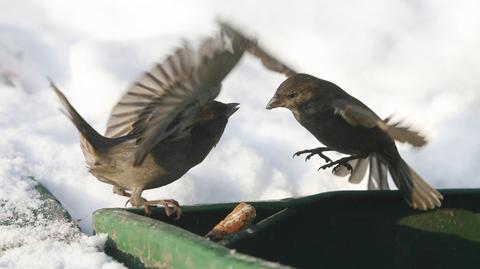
(344, 124)
(166, 123)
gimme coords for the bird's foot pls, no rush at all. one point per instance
(342, 162)
(336, 165)
(171, 206)
(313, 152)
(121, 191)
(129, 201)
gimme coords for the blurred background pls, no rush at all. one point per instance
(416, 59)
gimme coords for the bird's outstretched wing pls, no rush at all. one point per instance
(356, 115)
(164, 102)
(252, 47)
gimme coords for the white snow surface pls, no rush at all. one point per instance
(31, 239)
(417, 59)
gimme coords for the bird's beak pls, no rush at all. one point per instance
(275, 102)
(232, 108)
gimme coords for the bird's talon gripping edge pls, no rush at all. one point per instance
(129, 201)
(148, 210)
(171, 206)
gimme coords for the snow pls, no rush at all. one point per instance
(30, 238)
(418, 59)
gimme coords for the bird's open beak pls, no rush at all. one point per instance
(232, 108)
(275, 102)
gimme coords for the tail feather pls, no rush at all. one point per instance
(416, 191)
(88, 134)
(378, 174)
(359, 171)
(403, 134)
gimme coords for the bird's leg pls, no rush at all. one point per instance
(120, 191)
(171, 206)
(343, 162)
(136, 200)
(311, 152)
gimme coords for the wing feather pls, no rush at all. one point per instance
(357, 115)
(164, 102)
(251, 46)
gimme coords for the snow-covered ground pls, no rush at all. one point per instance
(418, 59)
(35, 234)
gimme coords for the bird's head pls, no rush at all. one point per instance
(294, 91)
(216, 111)
(213, 118)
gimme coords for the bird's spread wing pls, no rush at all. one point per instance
(356, 115)
(165, 101)
(252, 47)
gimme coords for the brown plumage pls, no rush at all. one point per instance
(166, 123)
(344, 124)
(373, 164)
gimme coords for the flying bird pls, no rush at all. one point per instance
(166, 123)
(344, 124)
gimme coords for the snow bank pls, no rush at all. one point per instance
(33, 237)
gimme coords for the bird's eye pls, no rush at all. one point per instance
(291, 94)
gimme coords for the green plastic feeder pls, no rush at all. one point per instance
(348, 229)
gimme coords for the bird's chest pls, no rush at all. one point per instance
(166, 163)
(334, 132)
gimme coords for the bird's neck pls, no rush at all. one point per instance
(204, 138)
(312, 113)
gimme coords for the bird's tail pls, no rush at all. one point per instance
(377, 172)
(90, 140)
(416, 191)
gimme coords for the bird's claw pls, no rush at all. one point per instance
(313, 152)
(324, 167)
(343, 162)
(346, 165)
(324, 157)
(148, 210)
(171, 206)
(337, 166)
(129, 201)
